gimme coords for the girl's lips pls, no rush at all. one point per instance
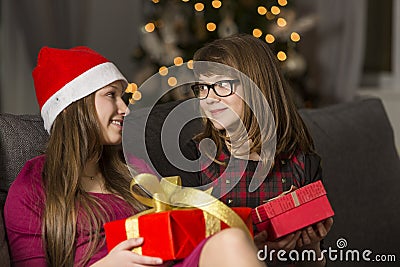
(217, 111)
(117, 123)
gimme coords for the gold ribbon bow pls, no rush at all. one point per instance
(168, 194)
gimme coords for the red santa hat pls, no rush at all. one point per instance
(63, 76)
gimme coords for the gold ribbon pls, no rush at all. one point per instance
(295, 199)
(168, 194)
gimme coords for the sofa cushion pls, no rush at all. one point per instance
(361, 171)
(22, 137)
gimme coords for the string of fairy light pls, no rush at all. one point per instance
(273, 13)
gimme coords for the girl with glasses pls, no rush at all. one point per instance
(261, 145)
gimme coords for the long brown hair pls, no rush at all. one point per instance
(74, 140)
(254, 58)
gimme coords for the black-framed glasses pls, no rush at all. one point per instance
(221, 88)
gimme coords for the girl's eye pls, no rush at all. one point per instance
(111, 94)
(224, 84)
(202, 88)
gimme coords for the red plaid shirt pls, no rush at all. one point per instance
(297, 169)
(287, 170)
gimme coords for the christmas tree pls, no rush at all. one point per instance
(175, 29)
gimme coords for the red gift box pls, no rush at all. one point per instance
(293, 211)
(169, 235)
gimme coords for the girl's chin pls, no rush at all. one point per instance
(113, 141)
(225, 123)
(218, 126)
(222, 127)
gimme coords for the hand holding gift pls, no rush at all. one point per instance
(300, 239)
(314, 234)
(293, 211)
(120, 255)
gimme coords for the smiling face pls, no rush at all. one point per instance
(111, 110)
(223, 112)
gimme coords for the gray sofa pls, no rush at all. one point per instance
(360, 164)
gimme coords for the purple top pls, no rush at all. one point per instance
(23, 216)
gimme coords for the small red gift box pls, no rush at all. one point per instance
(293, 211)
(171, 234)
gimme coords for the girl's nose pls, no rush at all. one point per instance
(122, 107)
(212, 97)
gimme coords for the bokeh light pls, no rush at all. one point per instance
(199, 7)
(281, 22)
(163, 70)
(281, 56)
(257, 33)
(178, 61)
(282, 2)
(269, 38)
(172, 81)
(216, 4)
(149, 27)
(211, 26)
(295, 37)
(275, 10)
(262, 10)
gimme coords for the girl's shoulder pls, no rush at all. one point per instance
(306, 166)
(31, 173)
(139, 165)
(300, 158)
(26, 195)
